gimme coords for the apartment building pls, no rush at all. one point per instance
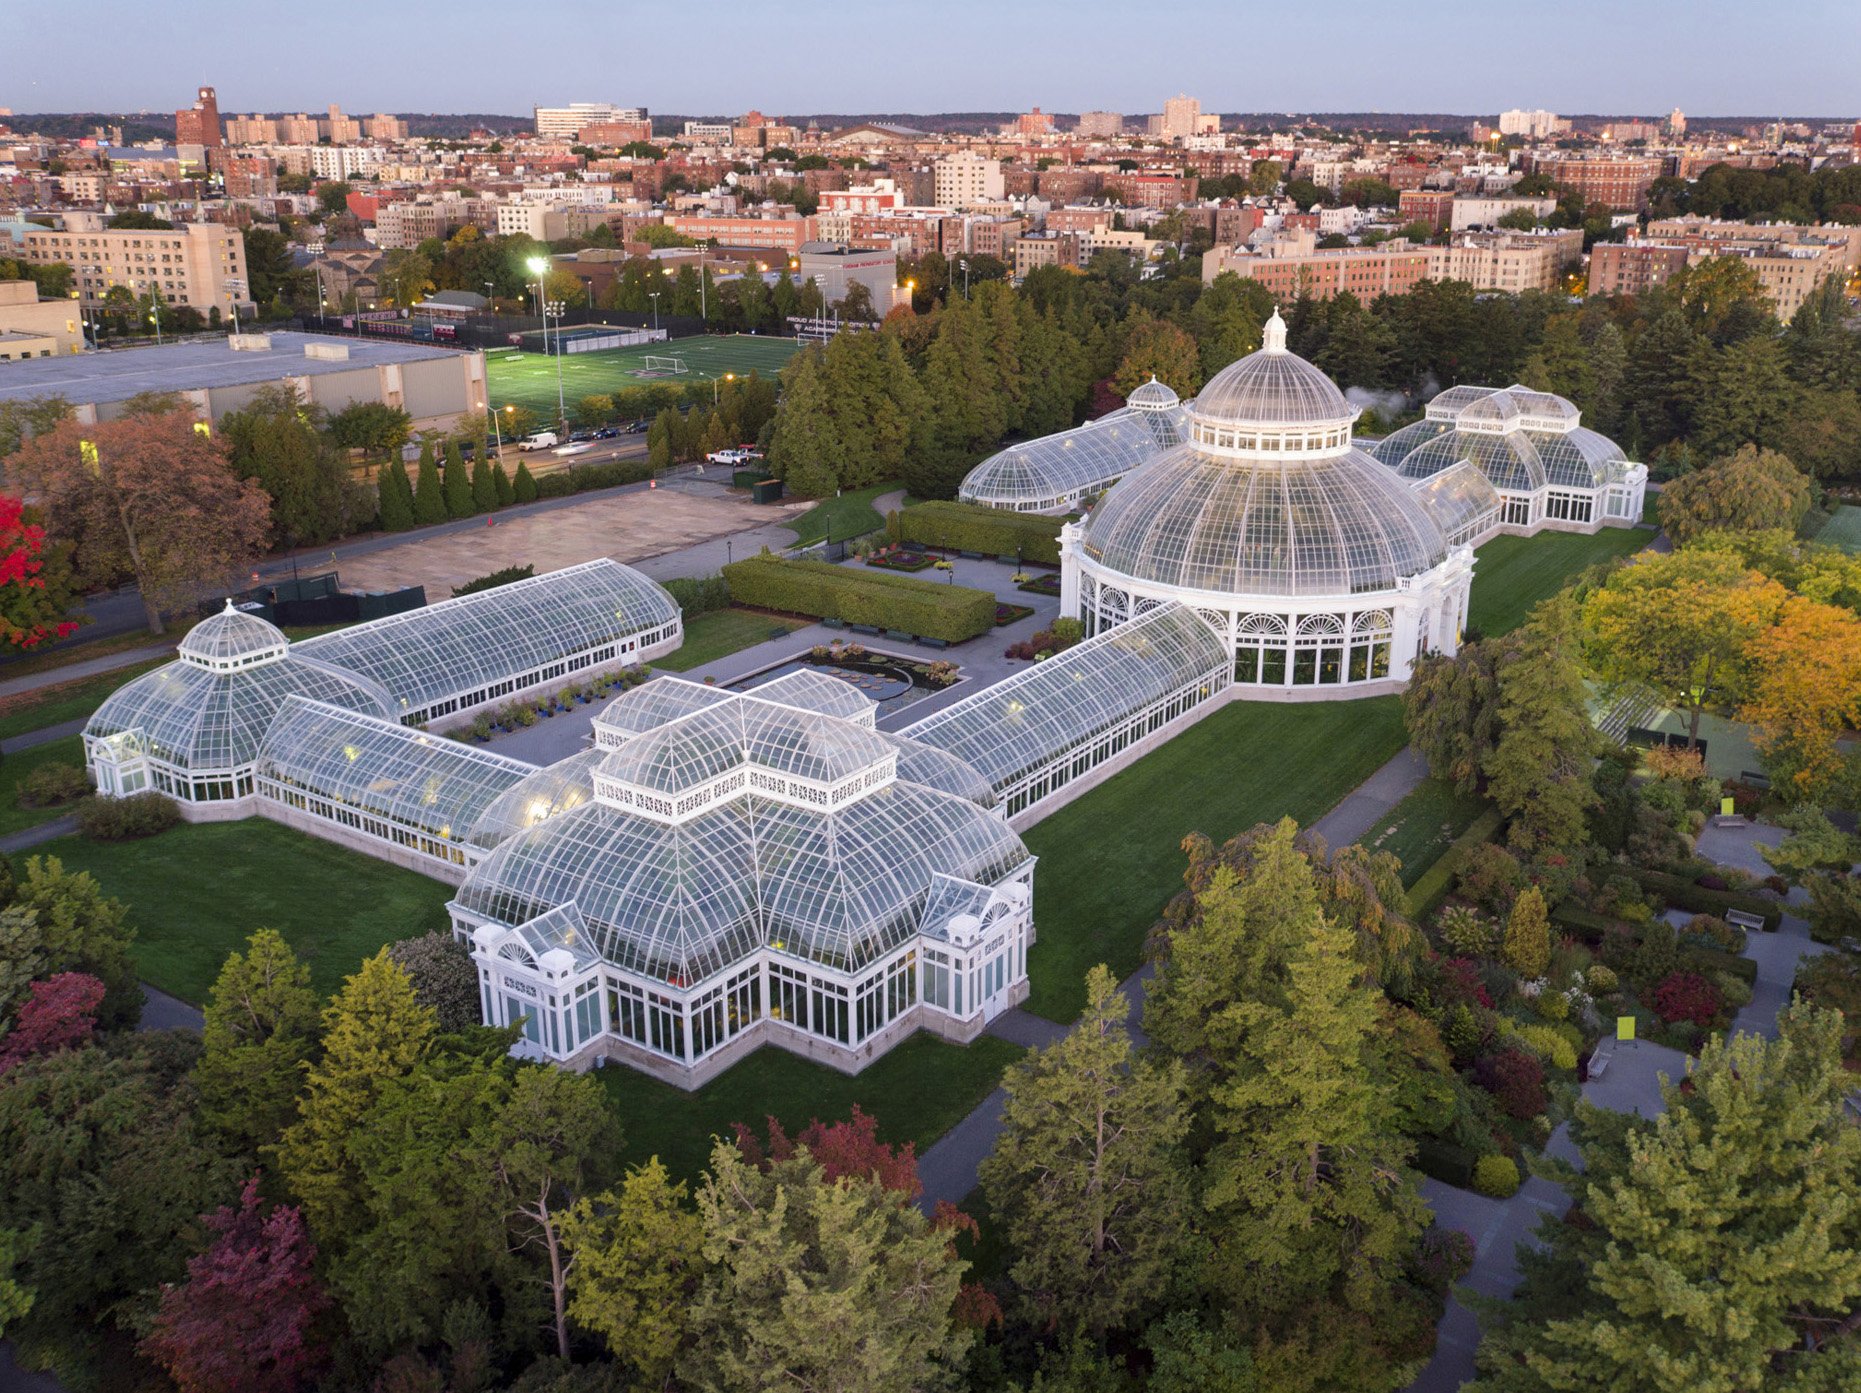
(966, 179)
(1466, 212)
(1182, 118)
(202, 265)
(784, 235)
(382, 126)
(1432, 206)
(1614, 181)
(251, 130)
(403, 225)
(1047, 249)
(1533, 125)
(1633, 267)
(1291, 266)
(343, 161)
(1100, 125)
(1694, 229)
(1505, 261)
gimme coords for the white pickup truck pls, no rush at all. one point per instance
(732, 456)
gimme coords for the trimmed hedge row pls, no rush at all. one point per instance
(700, 595)
(1434, 883)
(1446, 1162)
(972, 527)
(925, 608)
(560, 483)
(1697, 899)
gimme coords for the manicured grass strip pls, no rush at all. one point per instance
(1110, 859)
(13, 772)
(918, 1091)
(1423, 825)
(1513, 574)
(838, 519)
(68, 701)
(195, 893)
(720, 633)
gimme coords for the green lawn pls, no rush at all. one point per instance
(719, 634)
(1513, 574)
(918, 1091)
(839, 519)
(1111, 858)
(70, 701)
(1843, 529)
(1422, 825)
(13, 772)
(529, 379)
(196, 892)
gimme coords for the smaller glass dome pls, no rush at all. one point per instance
(1152, 396)
(232, 639)
(1272, 387)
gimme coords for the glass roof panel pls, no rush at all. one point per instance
(461, 644)
(1463, 500)
(1056, 470)
(385, 768)
(1018, 725)
(1337, 524)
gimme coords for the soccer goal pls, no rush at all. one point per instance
(659, 363)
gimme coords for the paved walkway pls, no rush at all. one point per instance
(45, 735)
(30, 837)
(1370, 803)
(86, 667)
(161, 1011)
(1631, 1083)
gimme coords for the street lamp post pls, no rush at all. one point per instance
(155, 311)
(235, 284)
(541, 267)
(653, 295)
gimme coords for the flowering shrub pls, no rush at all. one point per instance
(1515, 1078)
(1687, 996)
(32, 599)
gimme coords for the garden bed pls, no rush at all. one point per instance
(1047, 584)
(1006, 614)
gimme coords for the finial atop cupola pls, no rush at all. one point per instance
(1273, 334)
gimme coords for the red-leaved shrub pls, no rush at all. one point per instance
(1687, 996)
(1460, 981)
(1515, 1078)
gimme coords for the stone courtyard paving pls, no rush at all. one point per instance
(628, 527)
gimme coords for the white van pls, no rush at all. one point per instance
(541, 440)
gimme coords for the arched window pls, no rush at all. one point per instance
(1260, 650)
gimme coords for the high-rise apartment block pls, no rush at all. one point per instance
(966, 179)
(1182, 118)
(1533, 125)
(1100, 125)
(200, 123)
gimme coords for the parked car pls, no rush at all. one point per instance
(730, 457)
(541, 440)
(638, 427)
(576, 435)
(605, 433)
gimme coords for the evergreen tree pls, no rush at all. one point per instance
(523, 487)
(635, 1260)
(661, 440)
(395, 495)
(500, 481)
(1539, 770)
(810, 1284)
(67, 924)
(1721, 1248)
(807, 450)
(260, 1032)
(1088, 1179)
(484, 490)
(1451, 709)
(968, 412)
(1528, 934)
(458, 484)
(374, 1032)
(1306, 1189)
(429, 495)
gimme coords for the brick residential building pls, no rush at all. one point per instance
(1432, 206)
(1633, 268)
(1615, 181)
(784, 235)
(1293, 267)
(195, 264)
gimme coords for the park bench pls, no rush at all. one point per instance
(1745, 919)
(1599, 1065)
(1731, 820)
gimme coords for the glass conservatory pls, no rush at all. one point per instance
(1059, 473)
(474, 649)
(192, 729)
(383, 786)
(1035, 733)
(1317, 567)
(1549, 470)
(744, 871)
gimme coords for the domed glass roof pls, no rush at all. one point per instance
(1272, 388)
(1152, 396)
(1341, 524)
(1521, 440)
(232, 638)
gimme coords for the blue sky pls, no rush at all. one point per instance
(1616, 56)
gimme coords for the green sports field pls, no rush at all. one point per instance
(529, 379)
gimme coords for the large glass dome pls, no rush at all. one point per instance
(1521, 440)
(1268, 497)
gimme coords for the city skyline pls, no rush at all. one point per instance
(1424, 58)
